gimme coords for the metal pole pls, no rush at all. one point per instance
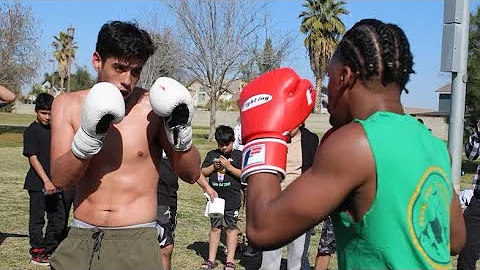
(457, 111)
(70, 33)
(68, 74)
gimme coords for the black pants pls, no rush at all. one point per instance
(53, 206)
(68, 199)
(471, 251)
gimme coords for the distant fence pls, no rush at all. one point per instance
(317, 123)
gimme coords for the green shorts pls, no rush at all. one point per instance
(94, 248)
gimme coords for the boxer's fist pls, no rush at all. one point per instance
(271, 106)
(172, 101)
(103, 105)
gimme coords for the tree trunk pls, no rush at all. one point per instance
(318, 95)
(213, 118)
(62, 82)
(68, 75)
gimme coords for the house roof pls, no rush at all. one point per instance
(446, 89)
(412, 110)
(431, 113)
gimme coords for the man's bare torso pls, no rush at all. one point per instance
(120, 183)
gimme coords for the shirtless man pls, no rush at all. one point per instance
(108, 141)
(383, 178)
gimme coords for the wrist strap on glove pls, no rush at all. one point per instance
(264, 155)
(85, 146)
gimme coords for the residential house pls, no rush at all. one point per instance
(444, 97)
(47, 87)
(200, 95)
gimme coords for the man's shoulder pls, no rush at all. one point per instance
(71, 96)
(350, 138)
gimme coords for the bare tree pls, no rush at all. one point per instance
(20, 54)
(273, 49)
(219, 37)
(168, 58)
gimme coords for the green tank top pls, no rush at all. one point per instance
(408, 223)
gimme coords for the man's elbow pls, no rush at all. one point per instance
(255, 237)
(190, 178)
(261, 238)
(60, 185)
(455, 249)
(10, 99)
(457, 242)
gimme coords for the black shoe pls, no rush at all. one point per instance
(40, 259)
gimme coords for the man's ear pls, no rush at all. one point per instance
(348, 77)
(96, 61)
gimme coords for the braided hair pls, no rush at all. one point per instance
(373, 49)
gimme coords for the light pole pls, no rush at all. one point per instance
(53, 76)
(70, 33)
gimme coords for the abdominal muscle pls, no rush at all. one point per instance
(122, 198)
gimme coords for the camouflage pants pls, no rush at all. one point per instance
(326, 245)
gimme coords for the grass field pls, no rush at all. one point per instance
(191, 247)
(16, 119)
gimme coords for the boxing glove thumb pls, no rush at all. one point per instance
(103, 105)
(172, 101)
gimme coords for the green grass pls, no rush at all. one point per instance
(16, 119)
(191, 245)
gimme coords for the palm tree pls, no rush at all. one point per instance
(323, 27)
(64, 53)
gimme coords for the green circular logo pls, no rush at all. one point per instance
(429, 218)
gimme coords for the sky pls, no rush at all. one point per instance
(422, 22)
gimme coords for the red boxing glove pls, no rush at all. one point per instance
(272, 105)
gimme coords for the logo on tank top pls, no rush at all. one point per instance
(429, 217)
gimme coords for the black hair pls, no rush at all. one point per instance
(373, 49)
(420, 120)
(224, 134)
(43, 102)
(124, 40)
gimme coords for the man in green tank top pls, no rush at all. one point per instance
(382, 176)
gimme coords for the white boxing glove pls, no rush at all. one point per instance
(103, 105)
(172, 101)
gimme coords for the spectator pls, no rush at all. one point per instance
(44, 196)
(167, 208)
(223, 167)
(471, 251)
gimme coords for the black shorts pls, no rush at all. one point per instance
(228, 221)
(167, 219)
(327, 245)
